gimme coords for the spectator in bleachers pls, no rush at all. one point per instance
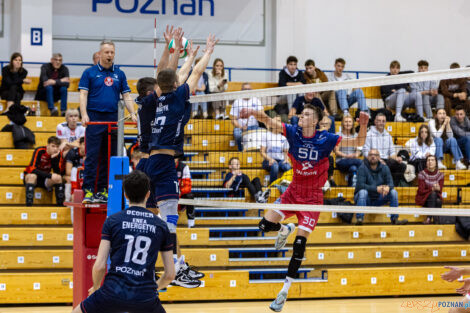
(455, 92)
(218, 83)
(70, 131)
(375, 186)
(314, 75)
(184, 185)
(274, 149)
(290, 75)
(421, 147)
(201, 89)
(378, 138)
(74, 159)
(344, 97)
(325, 124)
(299, 104)
(44, 171)
(430, 184)
(398, 97)
(429, 91)
(460, 125)
(13, 78)
(96, 57)
(235, 179)
(445, 141)
(53, 83)
(241, 125)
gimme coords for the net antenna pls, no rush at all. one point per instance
(155, 48)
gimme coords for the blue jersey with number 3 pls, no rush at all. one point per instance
(136, 236)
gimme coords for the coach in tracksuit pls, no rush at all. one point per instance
(100, 89)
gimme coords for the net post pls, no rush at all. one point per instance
(120, 129)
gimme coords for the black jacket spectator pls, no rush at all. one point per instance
(285, 77)
(12, 84)
(386, 91)
(48, 72)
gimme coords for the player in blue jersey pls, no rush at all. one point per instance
(132, 239)
(309, 149)
(163, 115)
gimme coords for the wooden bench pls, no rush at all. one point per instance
(35, 216)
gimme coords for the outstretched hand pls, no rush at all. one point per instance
(465, 288)
(178, 37)
(363, 118)
(191, 52)
(210, 44)
(453, 274)
(168, 34)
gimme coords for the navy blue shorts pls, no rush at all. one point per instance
(161, 170)
(99, 302)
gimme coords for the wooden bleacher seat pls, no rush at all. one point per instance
(36, 259)
(35, 215)
(237, 86)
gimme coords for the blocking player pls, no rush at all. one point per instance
(38, 173)
(308, 150)
(166, 115)
(134, 236)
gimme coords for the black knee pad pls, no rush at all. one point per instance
(267, 226)
(300, 243)
(59, 194)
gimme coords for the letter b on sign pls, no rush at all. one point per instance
(36, 36)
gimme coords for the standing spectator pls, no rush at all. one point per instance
(274, 149)
(347, 152)
(13, 78)
(44, 171)
(96, 57)
(429, 91)
(241, 125)
(397, 97)
(445, 141)
(185, 185)
(421, 147)
(344, 97)
(455, 92)
(314, 75)
(218, 83)
(430, 184)
(460, 125)
(53, 83)
(70, 131)
(100, 89)
(290, 75)
(236, 179)
(201, 89)
(375, 186)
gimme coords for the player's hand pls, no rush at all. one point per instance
(168, 34)
(245, 113)
(178, 37)
(192, 52)
(453, 274)
(465, 288)
(210, 44)
(85, 120)
(134, 117)
(363, 118)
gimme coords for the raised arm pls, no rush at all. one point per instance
(202, 64)
(165, 58)
(184, 70)
(178, 40)
(276, 126)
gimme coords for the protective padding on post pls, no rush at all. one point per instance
(118, 167)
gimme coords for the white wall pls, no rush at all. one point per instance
(5, 51)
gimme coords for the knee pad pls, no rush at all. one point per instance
(59, 194)
(267, 226)
(299, 248)
(169, 213)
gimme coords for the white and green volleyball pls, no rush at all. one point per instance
(183, 50)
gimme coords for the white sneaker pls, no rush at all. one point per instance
(194, 114)
(460, 166)
(204, 115)
(281, 239)
(399, 118)
(279, 302)
(441, 166)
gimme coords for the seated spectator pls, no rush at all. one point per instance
(455, 92)
(347, 152)
(397, 97)
(274, 149)
(325, 124)
(70, 131)
(74, 159)
(201, 89)
(38, 174)
(375, 187)
(460, 125)
(421, 147)
(346, 98)
(290, 75)
(241, 125)
(299, 104)
(236, 179)
(429, 92)
(445, 141)
(53, 83)
(430, 184)
(96, 57)
(379, 139)
(218, 83)
(184, 185)
(314, 75)
(13, 78)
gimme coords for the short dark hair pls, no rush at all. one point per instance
(459, 108)
(136, 185)
(316, 111)
(455, 65)
(81, 140)
(309, 62)
(340, 60)
(145, 84)
(292, 58)
(53, 140)
(231, 159)
(166, 80)
(380, 114)
(394, 64)
(423, 63)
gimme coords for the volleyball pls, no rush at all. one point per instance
(183, 50)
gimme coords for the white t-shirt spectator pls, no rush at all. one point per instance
(275, 145)
(239, 104)
(64, 132)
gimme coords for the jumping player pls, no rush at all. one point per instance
(165, 112)
(134, 237)
(308, 150)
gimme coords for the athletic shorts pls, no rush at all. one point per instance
(161, 170)
(99, 302)
(40, 181)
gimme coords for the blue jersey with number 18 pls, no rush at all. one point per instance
(136, 236)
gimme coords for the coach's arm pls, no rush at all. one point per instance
(83, 105)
